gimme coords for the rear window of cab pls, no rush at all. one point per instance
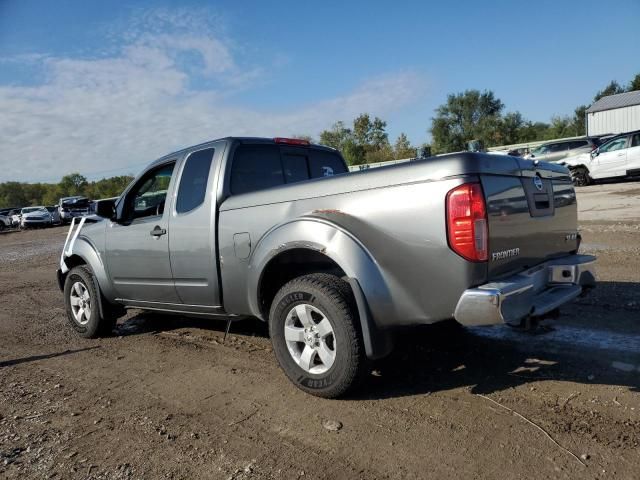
(258, 167)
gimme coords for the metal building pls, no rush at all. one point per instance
(614, 114)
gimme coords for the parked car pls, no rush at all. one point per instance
(8, 214)
(93, 203)
(5, 212)
(335, 262)
(72, 207)
(556, 151)
(15, 218)
(54, 210)
(35, 217)
(5, 222)
(617, 157)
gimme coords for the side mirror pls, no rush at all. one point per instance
(595, 153)
(106, 209)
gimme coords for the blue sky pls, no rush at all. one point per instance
(102, 89)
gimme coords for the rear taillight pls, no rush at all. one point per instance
(467, 228)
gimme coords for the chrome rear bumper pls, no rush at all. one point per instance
(532, 293)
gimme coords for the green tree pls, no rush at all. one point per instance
(510, 129)
(362, 129)
(612, 89)
(353, 153)
(466, 116)
(337, 136)
(561, 126)
(72, 184)
(303, 136)
(579, 120)
(402, 148)
(634, 84)
(382, 154)
(379, 136)
(12, 194)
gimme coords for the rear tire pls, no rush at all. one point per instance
(313, 325)
(580, 177)
(82, 301)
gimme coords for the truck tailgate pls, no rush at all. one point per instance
(532, 217)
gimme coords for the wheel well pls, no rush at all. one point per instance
(74, 261)
(575, 167)
(288, 265)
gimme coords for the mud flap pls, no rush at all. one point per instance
(377, 343)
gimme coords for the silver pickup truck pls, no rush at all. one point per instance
(335, 262)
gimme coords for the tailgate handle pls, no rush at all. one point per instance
(542, 201)
(157, 231)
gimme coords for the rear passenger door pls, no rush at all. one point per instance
(192, 229)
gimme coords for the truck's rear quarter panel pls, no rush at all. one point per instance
(402, 228)
(398, 216)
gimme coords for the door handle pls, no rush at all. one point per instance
(157, 231)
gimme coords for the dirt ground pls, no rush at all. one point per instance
(165, 398)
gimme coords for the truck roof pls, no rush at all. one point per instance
(265, 140)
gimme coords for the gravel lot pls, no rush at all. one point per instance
(165, 398)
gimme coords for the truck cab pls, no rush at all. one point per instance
(163, 246)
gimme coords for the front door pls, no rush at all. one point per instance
(633, 156)
(137, 247)
(612, 159)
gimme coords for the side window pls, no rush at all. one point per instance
(194, 180)
(256, 167)
(148, 197)
(614, 145)
(578, 144)
(295, 168)
(557, 147)
(635, 141)
(325, 164)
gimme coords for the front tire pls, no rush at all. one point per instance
(580, 177)
(82, 301)
(313, 325)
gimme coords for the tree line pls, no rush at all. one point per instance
(21, 194)
(475, 115)
(466, 116)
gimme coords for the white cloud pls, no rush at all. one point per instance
(108, 114)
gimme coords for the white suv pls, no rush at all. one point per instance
(618, 157)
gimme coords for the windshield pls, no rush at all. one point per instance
(539, 150)
(33, 209)
(78, 203)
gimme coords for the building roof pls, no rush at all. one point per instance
(620, 100)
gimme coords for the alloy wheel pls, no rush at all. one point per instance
(310, 338)
(80, 300)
